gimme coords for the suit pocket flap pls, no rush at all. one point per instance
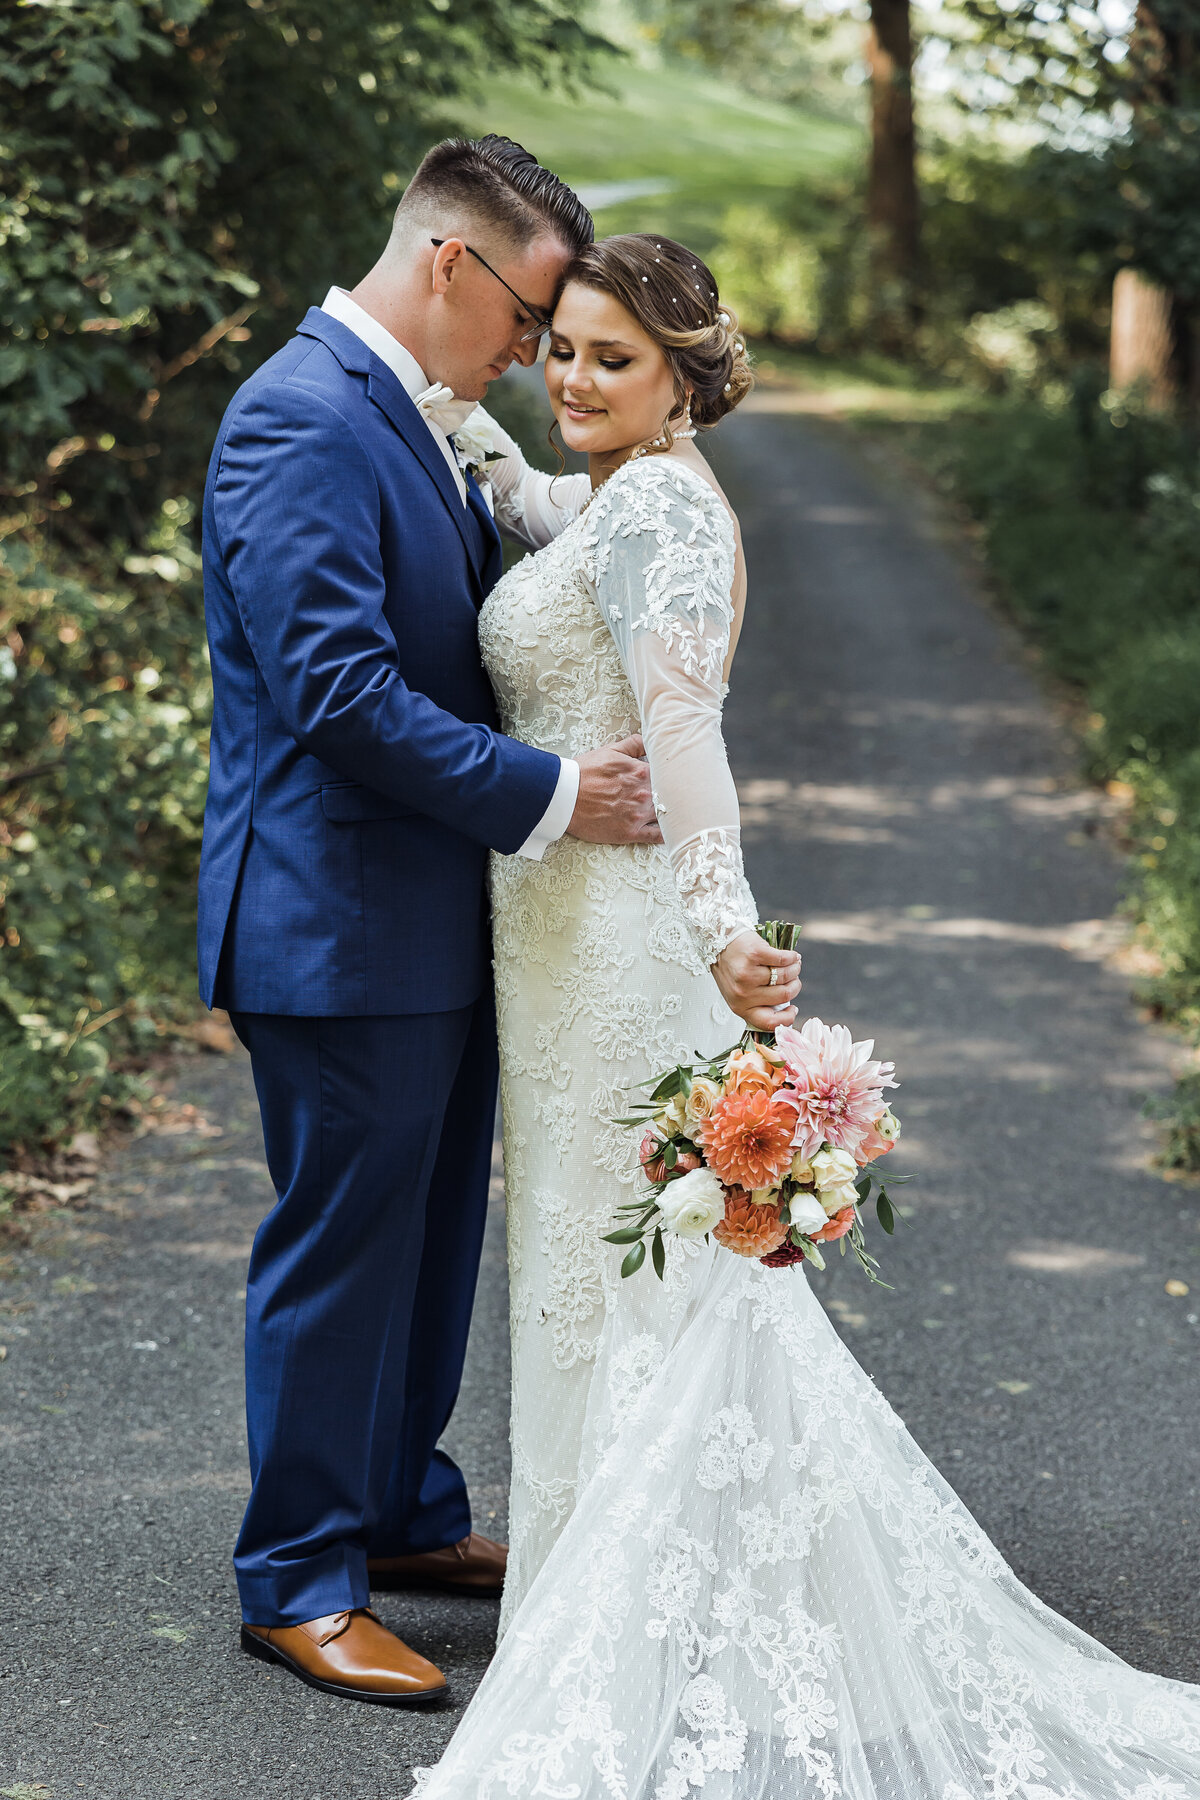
(346, 801)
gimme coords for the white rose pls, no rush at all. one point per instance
(834, 1168)
(801, 1169)
(888, 1126)
(765, 1197)
(833, 1199)
(475, 440)
(673, 1117)
(693, 1204)
(700, 1102)
(808, 1215)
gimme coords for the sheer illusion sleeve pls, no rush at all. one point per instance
(531, 506)
(663, 570)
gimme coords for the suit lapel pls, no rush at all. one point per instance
(385, 391)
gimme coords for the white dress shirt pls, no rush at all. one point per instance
(416, 384)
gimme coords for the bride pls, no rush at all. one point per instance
(731, 1568)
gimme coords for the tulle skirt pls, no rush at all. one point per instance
(765, 1591)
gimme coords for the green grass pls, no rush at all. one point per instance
(719, 148)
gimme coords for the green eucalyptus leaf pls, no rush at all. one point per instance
(658, 1254)
(634, 1260)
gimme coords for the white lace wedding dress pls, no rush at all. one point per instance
(732, 1569)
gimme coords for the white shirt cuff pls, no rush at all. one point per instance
(557, 816)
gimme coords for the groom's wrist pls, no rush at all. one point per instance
(554, 821)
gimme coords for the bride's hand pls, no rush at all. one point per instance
(743, 974)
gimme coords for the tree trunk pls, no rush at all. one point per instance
(1153, 341)
(1142, 346)
(893, 216)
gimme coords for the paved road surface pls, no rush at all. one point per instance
(908, 796)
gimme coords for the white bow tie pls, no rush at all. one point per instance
(439, 405)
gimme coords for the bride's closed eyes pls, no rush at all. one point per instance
(563, 352)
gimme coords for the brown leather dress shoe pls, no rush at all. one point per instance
(349, 1654)
(476, 1565)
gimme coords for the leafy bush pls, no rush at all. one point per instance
(105, 737)
(176, 175)
(1149, 695)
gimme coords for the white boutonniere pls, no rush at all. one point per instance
(475, 444)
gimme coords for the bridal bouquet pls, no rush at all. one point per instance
(772, 1146)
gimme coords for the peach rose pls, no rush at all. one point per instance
(749, 1072)
(651, 1158)
(837, 1227)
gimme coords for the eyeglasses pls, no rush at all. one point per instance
(541, 320)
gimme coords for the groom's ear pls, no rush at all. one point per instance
(447, 261)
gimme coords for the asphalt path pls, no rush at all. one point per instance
(910, 796)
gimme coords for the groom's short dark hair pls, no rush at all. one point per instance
(501, 184)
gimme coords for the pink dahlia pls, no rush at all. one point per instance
(833, 1084)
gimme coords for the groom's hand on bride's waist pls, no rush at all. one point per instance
(615, 805)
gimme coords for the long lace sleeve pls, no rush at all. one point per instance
(531, 506)
(663, 570)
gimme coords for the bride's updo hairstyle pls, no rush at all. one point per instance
(674, 299)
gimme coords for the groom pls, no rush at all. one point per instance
(357, 782)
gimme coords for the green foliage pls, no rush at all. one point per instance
(174, 168)
(175, 175)
(1082, 73)
(1182, 1115)
(104, 735)
(770, 274)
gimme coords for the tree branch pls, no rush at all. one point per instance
(212, 337)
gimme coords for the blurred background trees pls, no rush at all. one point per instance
(978, 216)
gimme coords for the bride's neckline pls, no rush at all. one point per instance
(656, 459)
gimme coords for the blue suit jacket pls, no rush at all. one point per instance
(357, 774)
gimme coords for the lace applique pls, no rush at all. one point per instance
(733, 1449)
(715, 892)
(720, 1748)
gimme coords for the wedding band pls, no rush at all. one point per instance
(773, 978)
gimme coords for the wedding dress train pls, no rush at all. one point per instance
(732, 1570)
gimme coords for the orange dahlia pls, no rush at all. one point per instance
(747, 1139)
(749, 1230)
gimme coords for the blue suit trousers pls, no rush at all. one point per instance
(378, 1135)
